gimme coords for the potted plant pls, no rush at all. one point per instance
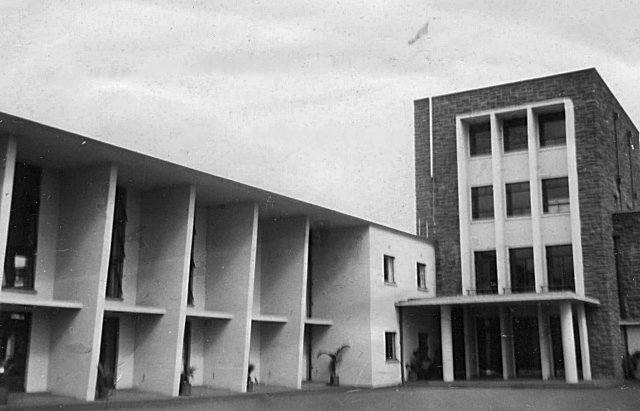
(106, 383)
(251, 380)
(185, 381)
(335, 359)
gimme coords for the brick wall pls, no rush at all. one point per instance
(437, 198)
(627, 230)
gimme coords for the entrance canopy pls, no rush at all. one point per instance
(501, 299)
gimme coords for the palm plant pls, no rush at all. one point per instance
(336, 358)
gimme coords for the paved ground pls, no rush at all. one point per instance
(622, 397)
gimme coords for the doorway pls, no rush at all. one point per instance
(14, 348)
(108, 364)
(489, 347)
(527, 346)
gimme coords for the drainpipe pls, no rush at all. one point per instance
(630, 151)
(618, 178)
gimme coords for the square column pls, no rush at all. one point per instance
(470, 344)
(546, 355)
(499, 211)
(446, 337)
(584, 343)
(506, 341)
(568, 343)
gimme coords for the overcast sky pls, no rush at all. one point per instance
(312, 99)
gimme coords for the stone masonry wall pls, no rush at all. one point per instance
(437, 198)
(627, 229)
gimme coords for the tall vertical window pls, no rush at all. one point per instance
(486, 272)
(518, 201)
(552, 129)
(389, 276)
(514, 133)
(116, 259)
(421, 273)
(522, 272)
(19, 263)
(480, 139)
(192, 267)
(390, 346)
(560, 268)
(555, 195)
(482, 202)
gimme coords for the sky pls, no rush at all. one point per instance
(310, 99)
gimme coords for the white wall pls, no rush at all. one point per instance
(197, 350)
(407, 252)
(340, 270)
(126, 350)
(47, 234)
(200, 258)
(38, 358)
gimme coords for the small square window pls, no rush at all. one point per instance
(514, 133)
(421, 273)
(518, 201)
(552, 129)
(555, 195)
(482, 202)
(390, 346)
(389, 277)
(480, 139)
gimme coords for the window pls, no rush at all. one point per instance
(20, 258)
(390, 346)
(486, 272)
(555, 195)
(116, 258)
(480, 139)
(522, 272)
(421, 274)
(482, 202)
(518, 202)
(560, 268)
(552, 129)
(514, 133)
(388, 270)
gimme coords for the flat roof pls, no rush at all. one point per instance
(500, 299)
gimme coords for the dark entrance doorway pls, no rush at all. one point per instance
(14, 348)
(489, 347)
(527, 346)
(108, 364)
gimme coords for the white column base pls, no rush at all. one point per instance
(568, 343)
(447, 343)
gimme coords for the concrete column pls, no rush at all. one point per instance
(506, 342)
(470, 344)
(7, 170)
(568, 343)
(232, 241)
(464, 204)
(574, 197)
(163, 277)
(446, 336)
(584, 343)
(546, 356)
(87, 199)
(499, 205)
(535, 193)
(285, 250)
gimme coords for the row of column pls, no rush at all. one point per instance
(507, 347)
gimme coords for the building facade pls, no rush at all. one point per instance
(123, 267)
(529, 192)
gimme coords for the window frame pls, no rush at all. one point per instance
(530, 285)
(559, 207)
(548, 118)
(389, 269)
(390, 352)
(512, 123)
(476, 212)
(511, 211)
(474, 130)
(492, 277)
(567, 283)
(421, 274)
